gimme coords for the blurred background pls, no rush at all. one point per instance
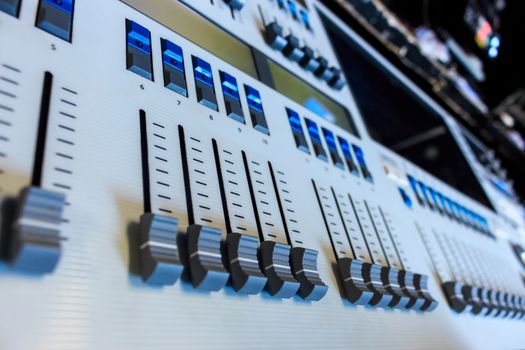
(468, 56)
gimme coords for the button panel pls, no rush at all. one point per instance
(56, 17)
(138, 50)
(315, 137)
(173, 67)
(11, 7)
(332, 148)
(256, 109)
(297, 131)
(232, 101)
(204, 87)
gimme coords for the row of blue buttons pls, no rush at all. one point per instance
(330, 139)
(444, 205)
(140, 62)
(292, 7)
(53, 16)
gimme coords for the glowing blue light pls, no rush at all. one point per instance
(493, 52)
(495, 41)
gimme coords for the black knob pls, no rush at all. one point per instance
(292, 50)
(308, 62)
(273, 34)
(337, 82)
(323, 71)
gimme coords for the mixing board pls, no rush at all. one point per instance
(198, 175)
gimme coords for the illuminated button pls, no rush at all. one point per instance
(315, 137)
(56, 17)
(293, 9)
(204, 83)
(332, 148)
(273, 34)
(297, 131)
(256, 109)
(424, 191)
(173, 67)
(434, 199)
(405, 197)
(360, 156)
(235, 5)
(347, 154)
(11, 7)
(292, 50)
(138, 50)
(413, 183)
(159, 251)
(306, 19)
(232, 101)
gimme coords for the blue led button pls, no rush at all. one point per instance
(297, 130)
(332, 148)
(434, 197)
(424, 191)
(56, 17)
(315, 137)
(292, 8)
(204, 83)
(232, 101)
(347, 154)
(306, 19)
(256, 109)
(138, 50)
(405, 197)
(173, 67)
(413, 183)
(11, 7)
(360, 156)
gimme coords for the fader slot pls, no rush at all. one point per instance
(350, 269)
(159, 251)
(274, 252)
(206, 227)
(34, 240)
(303, 260)
(242, 239)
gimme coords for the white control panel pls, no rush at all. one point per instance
(197, 175)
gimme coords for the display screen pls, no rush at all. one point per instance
(312, 99)
(198, 30)
(400, 119)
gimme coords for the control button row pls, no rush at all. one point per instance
(463, 298)
(332, 143)
(386, 287)
(139, 60)
(291, 48)
(284, 271)
(435, 201)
